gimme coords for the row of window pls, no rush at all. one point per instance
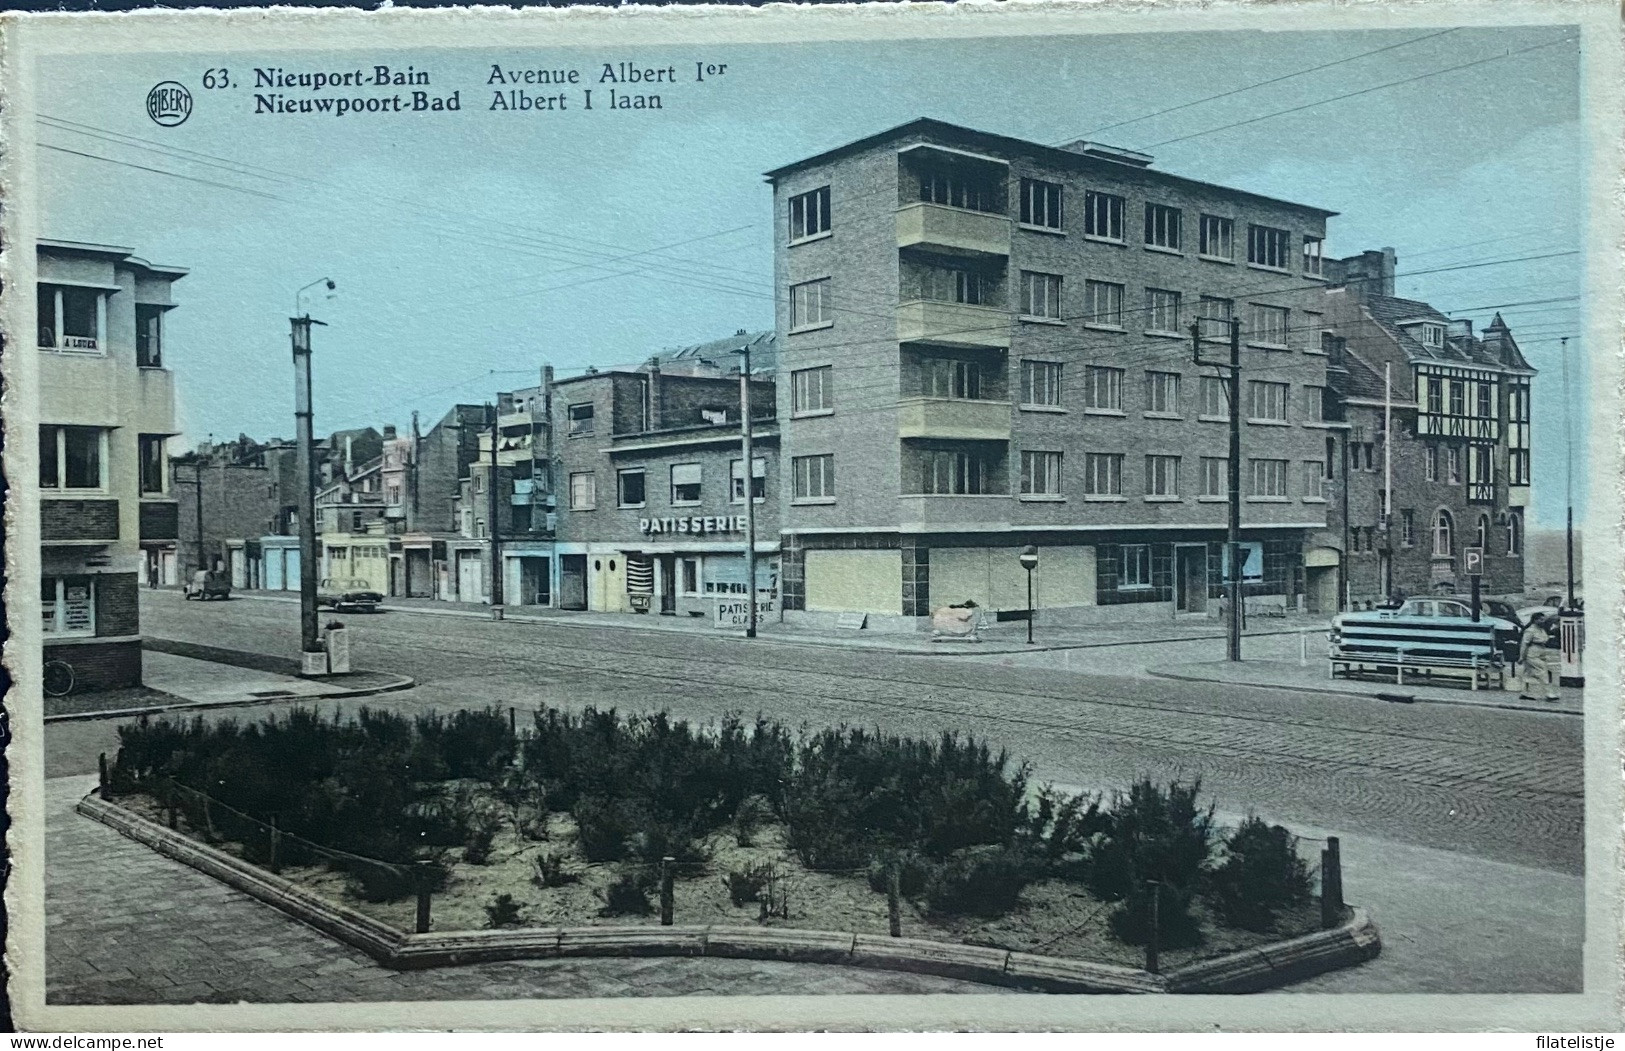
(686, 485)
(74, 318)
(1364, 538)
(76, 458)
(1042, 206)
(1483, 402)
(1443, 463)
(1103, 476)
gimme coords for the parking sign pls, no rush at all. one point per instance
(1473, 561)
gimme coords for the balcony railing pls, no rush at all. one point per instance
(955, 512)
(953, 418)
(952, 231)
(953, 324)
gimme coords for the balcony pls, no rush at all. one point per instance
(520, 418)
(952, 231)
(953, 324)
(957, 513)
(953, 418)
(1517, 496)
(524, 492)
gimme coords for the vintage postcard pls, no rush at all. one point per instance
(983, 516)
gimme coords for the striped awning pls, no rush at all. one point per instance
(640, 575)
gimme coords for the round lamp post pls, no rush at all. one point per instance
(1029, 562)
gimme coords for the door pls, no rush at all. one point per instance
(290, 569)
(668, 584)
(239, 568)
(1321, 584)
(166, 568)
(1192, 592)
(573, 581)
(470, 582)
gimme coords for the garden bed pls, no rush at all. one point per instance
(566, 824)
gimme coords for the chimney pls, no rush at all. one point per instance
(1462, 327)
(389, 432)
(654, 406)
(1102, 152)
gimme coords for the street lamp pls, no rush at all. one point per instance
(313, 658)
(1029, 562)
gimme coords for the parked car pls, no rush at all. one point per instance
(348, 593)
(1500, 609)
(1421, 612)
(207, 584)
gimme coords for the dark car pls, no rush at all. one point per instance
(348, 593)
(207, 584)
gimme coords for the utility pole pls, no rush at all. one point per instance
(749, 471)
(1568, 472)
(1387, 479)
(309, 643)
(494, 504)
(197, 492)
(412, 479)
(1233, 479)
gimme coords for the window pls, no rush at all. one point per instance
(758, 480)
(580, 420)
(1218, 237)
(685, 483)
(1215, 476)
(1103, 303)
(1102, 215)
(809, 213)
(1314, 403)
(1266, 400)
(1485, 402)
(814, 477)
(1040, 473)
(1314, 331)
(811, 390)
(1041, 383)
(1312, 255)
(1452, 464)
(1482, 541)
(1458, 398)
(1433, 335)
(68, 605)
(1103, 388)
(1162, 226)
(1481, 464)
(1444, 544)
(944, 284)
(633, 487)
(1435, 394)
(689, 570)
(950, 378)
(1267, 246)
(1213, 314)
(1215, 396)
(1514, 534)
(1432, 460)
(1314, 480)
(1162, 392)
(959, 189)
(478, 481)
(1269, 325)
(72, 458)
(1162, 476)
(1407, 527)
(150, 453)
(1268, 478)
(1136, 566)
(69, 317)
(1331, 457)
(1161, 310)
(1103, 474)
(1041, 203)
(956, 473)
(1518, 404)
(1517, 466)
(1040, 294)
(809, 304)
(149, 342)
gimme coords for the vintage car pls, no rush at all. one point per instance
(207, 584)
(348, 593)
(1421, 625)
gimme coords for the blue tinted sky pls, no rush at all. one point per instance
(476, 242)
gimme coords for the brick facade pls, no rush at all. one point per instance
(79, 520)
(159, 520)
(100, 665)
(116, 604)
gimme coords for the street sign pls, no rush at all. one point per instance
(1472, 561)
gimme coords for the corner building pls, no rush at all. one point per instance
(985, 343)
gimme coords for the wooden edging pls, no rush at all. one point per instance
(1355, 941)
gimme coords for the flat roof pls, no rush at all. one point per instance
(1054, 154)
(117, 253)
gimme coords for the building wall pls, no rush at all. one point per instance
(240, 502)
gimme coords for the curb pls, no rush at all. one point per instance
(405, 682)
(1355, 941)
(1499, 705)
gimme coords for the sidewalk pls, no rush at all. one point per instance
(183, 676)
(1312, 677)
(1003, 637)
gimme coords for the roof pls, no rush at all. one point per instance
(114, 252)
(764, 351)
(1495, 349)
(1098, 159)
(1357, 380)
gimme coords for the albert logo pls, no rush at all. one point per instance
(169, 103)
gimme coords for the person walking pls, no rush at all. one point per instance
(1539, 658)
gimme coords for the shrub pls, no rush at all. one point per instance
(914, 873)
(1154, 834)
(984, 881)
(503, 911)
(1061, 829)
(603, 827)
(754, 812)
(746, 885)
(482, 833)
(550, 871)
(1261, 874)
(628, 895)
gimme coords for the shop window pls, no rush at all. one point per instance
(68, 605)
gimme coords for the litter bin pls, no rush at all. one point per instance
(1571, 631)
(337, 641)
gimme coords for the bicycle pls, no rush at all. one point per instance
(59, 678)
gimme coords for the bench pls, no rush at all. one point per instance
(1404, 643)
(1483, 669)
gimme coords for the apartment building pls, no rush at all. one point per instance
(985, 343)
(108, 520)
(652, 485)
(1459, 455)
